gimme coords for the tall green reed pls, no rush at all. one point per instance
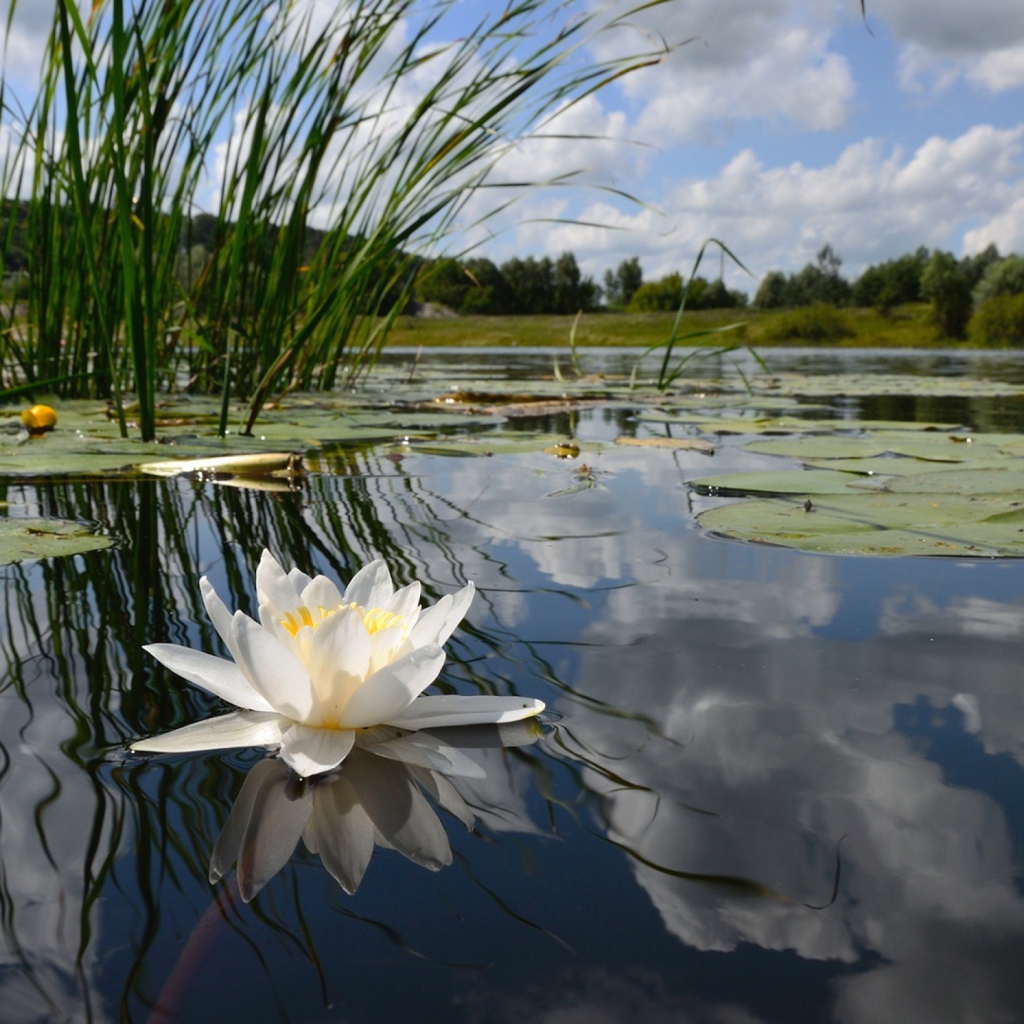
(667, 374)
(379, 123)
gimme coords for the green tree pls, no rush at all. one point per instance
(665, 294)
(974, 267)
(945, 285)
(820, 281)
(999, 321)
(621, 284)
(892, 283)
(444, 282)
(571, 291)
(773, 291)
(489, 292)
(1004, 277)
(530, 282)
(717, 296)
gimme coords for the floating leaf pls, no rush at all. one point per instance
(259, 464)
(879, 524)
(783, 481)
(872, 384)
(24, 539)
(973, 481)
(692, 443)
(897, 465)
(497, 443)
(737, 424)
(935, 447)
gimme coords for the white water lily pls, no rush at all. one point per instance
(321, 665)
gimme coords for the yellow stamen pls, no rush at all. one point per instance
(375, 619)
(294, 621)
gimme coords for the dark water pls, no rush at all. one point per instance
(774, 787)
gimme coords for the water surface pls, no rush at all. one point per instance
(772, 786)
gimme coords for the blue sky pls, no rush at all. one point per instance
(784, 125)
(788, 125)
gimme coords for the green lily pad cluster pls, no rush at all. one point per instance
(880, 492)
(853, 486)
(25, 539)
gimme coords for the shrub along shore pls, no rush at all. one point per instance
(909, 326)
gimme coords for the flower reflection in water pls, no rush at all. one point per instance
(378, 796)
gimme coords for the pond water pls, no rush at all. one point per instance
(771, 786)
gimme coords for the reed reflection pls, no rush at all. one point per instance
(126, 849)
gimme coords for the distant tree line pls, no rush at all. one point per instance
(557, 286)
(203, 240)
(981, 296)
(518, 286)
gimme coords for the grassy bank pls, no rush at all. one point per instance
(906, 327)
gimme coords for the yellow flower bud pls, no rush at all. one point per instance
(39, 419)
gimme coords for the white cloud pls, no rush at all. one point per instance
(943, 40)
(872, 203)
(25, 43)
(746, 60)
(793, 78)
(953, 28)
(1005, 229)
(1001, 70)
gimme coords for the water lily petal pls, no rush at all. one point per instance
(321, 593)
(229, 842)
(371, 587)
(342, 832)
(276, 593)
(237, 729)
(444, 794)
(274, 671)
(219, 614)
(299, 580)
(438, 622)
(387, 645)
(313, 751)
(222, 678)
(448, 709)
(338, 661)
(405, 602)
(461, 600)
(263, 828)
(273, 583)
(394, 687)
(401, 814)
(428, 751)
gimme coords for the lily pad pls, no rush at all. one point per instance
(870, 384)
(783, 481)
(739, 424)
(989, 480)
(692, 443)
(882, 524)
(25, 539)
(885, 466)
(939, 447)
(497, 443)
(262, 464)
